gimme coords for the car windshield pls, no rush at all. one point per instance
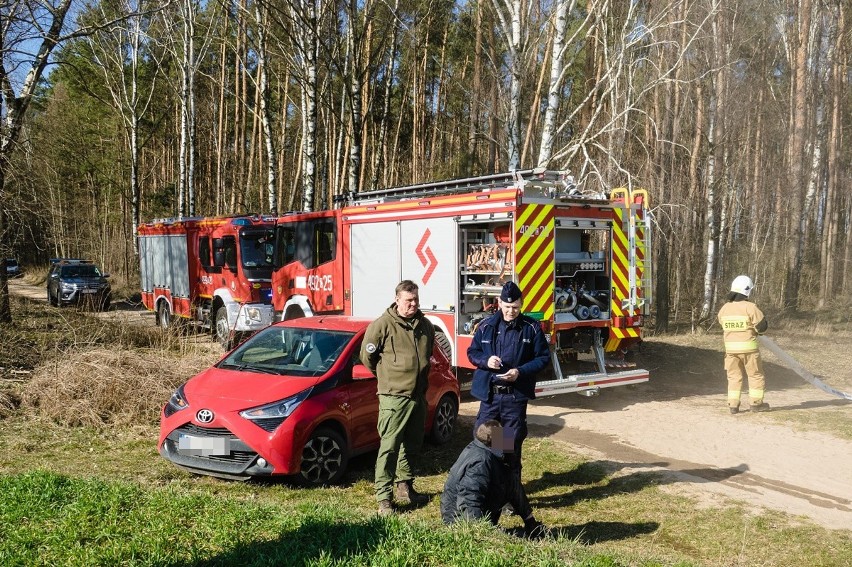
(11, 262)
(289, 350)
(81, 271)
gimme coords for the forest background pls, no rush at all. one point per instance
(731, 113)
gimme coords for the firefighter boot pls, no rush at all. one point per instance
(406, 494)
(385, 508)
(762, 406)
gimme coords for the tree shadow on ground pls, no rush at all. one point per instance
(594, 481)
(312, 539)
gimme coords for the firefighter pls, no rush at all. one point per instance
(742, 322)
(397, 348)
(509, 350)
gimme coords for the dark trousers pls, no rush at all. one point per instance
(511, 413)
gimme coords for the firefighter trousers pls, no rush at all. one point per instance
(749, 363)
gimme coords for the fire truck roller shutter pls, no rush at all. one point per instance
(375, 267)
(429, 259)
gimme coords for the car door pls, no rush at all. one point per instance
(363, 408)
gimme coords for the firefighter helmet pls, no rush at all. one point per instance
(743, 285)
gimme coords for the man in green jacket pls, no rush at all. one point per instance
(397, 347)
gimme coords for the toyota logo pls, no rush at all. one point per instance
(204, 416)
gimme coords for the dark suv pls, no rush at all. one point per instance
(77, 281)
(13, 270)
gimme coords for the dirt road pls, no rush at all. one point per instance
(678, 424)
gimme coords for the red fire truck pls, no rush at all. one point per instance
(215, 272)
(581, 260)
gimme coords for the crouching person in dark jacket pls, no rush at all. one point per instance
(480, 484)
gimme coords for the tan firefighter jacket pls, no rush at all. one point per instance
(741, 322)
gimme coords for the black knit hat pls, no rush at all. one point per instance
(511, 292)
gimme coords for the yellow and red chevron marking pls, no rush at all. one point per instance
(535, 246)
(620, 261)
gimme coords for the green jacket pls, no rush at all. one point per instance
(397, 351)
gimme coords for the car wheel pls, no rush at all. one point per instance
(105, 303)
(164, 316)
(324, 458)
(222, 329)
(445, 419)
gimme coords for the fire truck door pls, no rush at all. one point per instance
(374, 266)
(429, 260)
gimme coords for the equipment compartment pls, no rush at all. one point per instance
(487, 250)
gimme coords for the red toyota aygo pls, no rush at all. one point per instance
(294, 399)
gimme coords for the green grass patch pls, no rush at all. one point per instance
(105, 499)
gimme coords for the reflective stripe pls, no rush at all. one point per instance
(741, 347)
(735, 323)
(734, 396)
(756, 394)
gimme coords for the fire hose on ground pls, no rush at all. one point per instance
(794, 365)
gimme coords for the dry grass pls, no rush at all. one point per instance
(102, 387)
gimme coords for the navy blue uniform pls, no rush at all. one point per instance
(520, 344)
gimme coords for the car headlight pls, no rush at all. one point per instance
(280, 409)
(67, 286)
(177, 402)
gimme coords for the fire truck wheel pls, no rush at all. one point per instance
(324, 458)
(445, 419)
(223, 331)
(444, 344)
(164, 316)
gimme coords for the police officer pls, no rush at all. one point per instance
(742, 322)
(508, 349)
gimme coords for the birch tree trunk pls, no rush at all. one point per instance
(44, 29)
(509, 15)
(261, 16)
(118, 52)
(554, 95)
(381, 151)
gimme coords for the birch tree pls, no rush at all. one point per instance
(510, 15)
(118, 51)
(25, 25)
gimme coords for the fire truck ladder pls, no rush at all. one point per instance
(553, 180)
(639, 252)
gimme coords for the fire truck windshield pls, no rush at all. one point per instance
(256, 249)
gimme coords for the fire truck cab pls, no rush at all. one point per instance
(582, 262)
(215, 272)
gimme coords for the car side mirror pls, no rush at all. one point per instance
(361, 372)
(105, 275)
